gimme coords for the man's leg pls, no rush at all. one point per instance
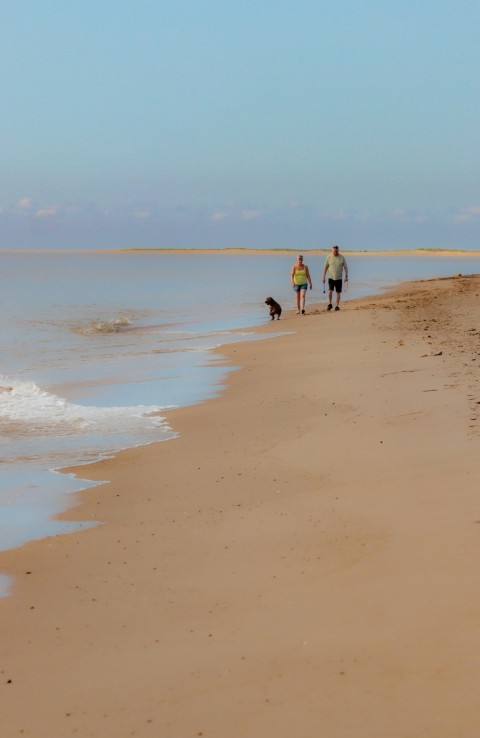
(338, 288)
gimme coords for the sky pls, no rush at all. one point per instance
(218, 123)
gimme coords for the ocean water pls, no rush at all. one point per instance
(95, 346)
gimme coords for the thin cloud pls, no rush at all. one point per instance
(47, 212)
(408, 216)
(141, 214)
(250, 214)
(467, 215)
(219, 216)
(340, 215)
(24, 204)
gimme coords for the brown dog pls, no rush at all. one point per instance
(275, 309)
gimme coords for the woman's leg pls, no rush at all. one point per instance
(297, 298)
(302, 300)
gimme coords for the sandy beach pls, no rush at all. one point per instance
(302, 560)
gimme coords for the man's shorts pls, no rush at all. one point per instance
(335, 284)
(298, 287)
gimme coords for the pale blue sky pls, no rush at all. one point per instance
(261, 124)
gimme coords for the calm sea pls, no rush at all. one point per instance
(94, 346)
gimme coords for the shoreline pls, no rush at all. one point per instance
(252, 251)
(298, 557)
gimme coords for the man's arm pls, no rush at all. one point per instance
(345, 268)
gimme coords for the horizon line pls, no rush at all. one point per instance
(248, 250)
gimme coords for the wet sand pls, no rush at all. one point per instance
(302, 560)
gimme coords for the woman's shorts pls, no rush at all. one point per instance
(298, 287)
(335, 284)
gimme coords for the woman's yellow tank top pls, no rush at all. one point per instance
(300, 276)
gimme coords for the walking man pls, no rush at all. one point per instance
(335, 264)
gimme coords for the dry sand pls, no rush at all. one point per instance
(301, 561)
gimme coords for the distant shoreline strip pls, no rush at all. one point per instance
(249, 251)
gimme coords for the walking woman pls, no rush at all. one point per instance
(300, 281)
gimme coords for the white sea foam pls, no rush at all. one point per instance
(27, 409)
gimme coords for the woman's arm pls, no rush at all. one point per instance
(307, 272)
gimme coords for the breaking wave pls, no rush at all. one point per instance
(26, 409)
(107, 326)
